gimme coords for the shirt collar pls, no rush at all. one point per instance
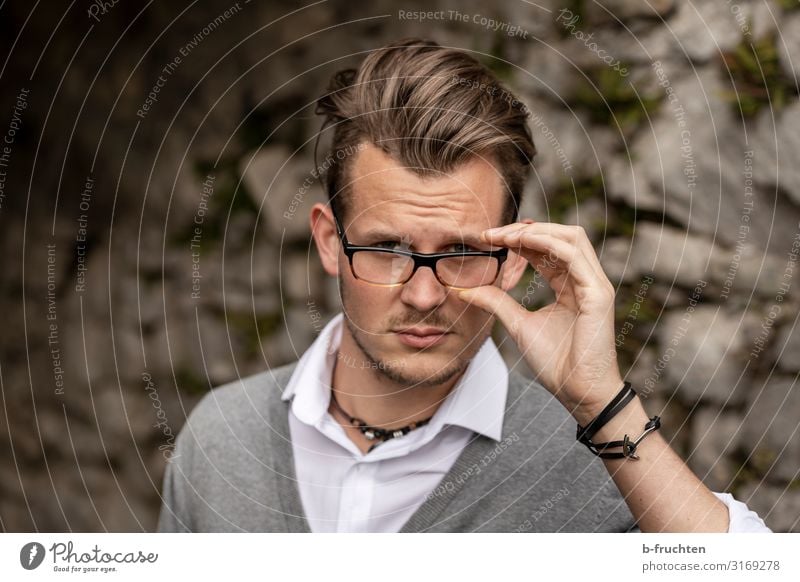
(477, 402)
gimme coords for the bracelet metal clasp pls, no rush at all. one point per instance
(629, 447)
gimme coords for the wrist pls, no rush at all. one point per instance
(587, 410)
(629, 420)
(614, 427)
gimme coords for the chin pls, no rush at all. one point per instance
(425, 369)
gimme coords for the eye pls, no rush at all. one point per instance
(461, 248)
(388, 244)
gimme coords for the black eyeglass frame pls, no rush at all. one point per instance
(420, 259)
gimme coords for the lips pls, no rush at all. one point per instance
(422, 337)
(422, 331)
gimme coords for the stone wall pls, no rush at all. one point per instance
(155, 203)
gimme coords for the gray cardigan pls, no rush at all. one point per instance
(233, 470)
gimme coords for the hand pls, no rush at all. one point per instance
(569, 344)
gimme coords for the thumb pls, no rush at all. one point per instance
(497, 302)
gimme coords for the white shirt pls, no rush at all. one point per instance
(343, 490)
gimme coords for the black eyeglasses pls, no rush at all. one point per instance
(392, 267)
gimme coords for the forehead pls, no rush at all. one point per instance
(383, 192)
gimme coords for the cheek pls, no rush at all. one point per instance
(370, 304)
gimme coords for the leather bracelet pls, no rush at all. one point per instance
(619, 402)
(616, 405)
(628, 446)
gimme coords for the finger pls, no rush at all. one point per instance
(571, 258)
(557, 250)
(560, 230)
(593, 260)
(572, 234)
(508, 228)
(576, 234)
(496, 302)
(539, 256)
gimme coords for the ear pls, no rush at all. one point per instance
(323, 230)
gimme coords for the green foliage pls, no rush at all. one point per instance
(789, 4)
(255, 128)
(250, 329)
(497, 60)
(757, 77)
(276, 121)
(621, 222)
(750, 468)
(610, 99)
(229, 196)
(229, 192)
(570, 193)
(635, 312)
(763, 459)
(577, 8)
(648, 308)
(620, 219)
(190, 383)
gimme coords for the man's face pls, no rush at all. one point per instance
(387, 203)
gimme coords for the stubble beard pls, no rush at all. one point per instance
(391, 370)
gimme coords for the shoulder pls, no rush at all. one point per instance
(221, 476)
(237, 407)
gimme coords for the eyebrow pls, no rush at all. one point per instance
(378, 235)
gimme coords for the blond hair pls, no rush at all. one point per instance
(431, 108)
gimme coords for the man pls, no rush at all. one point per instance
(402, 416)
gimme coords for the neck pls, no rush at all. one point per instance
(366, 393)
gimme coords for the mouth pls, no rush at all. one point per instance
(422, 337)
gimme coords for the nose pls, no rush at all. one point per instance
(423, 291)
